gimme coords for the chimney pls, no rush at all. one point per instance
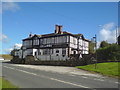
(60, 30)
(30, 35)
(56, 28)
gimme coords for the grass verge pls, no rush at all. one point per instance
(6, 56)
(109, 68)
(6, 84)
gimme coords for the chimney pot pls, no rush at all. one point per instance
(30, 35)
(60, 30)
(56, 28)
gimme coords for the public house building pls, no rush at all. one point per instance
(59, 45)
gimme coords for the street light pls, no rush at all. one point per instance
(95, 39)
(116, 35)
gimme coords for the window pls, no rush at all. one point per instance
(36, 41)
(73, 40)
(46, 51)
(39, 53)
(51, 51)
(63, 51)
(57, 51)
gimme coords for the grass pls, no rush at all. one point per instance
(6, 84)
(6, 56)
(109, 68)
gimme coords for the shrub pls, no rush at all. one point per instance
(29, 59)
(111, 52)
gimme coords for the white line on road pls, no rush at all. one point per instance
(9, 67)
(68, 83)
(20, 70)
(49, 78)
(71, 75)
(99, 79)
(26, 72)
(117, 82)
(84, 77)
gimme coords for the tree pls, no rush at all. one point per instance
(104, 44)
(12, 53)
(119, 40)
(111, 52)
(91, 47)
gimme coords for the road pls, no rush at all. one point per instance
(27, 77)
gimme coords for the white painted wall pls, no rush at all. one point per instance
(20, 53)
(83, 45)
(54, 56)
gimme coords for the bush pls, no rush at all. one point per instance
(29, 59)
(111, 52)
(16, 60)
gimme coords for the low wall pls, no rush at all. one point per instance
(16, 60)
(31, 60)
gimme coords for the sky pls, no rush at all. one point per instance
(87, 18)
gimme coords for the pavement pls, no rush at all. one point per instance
(40, 76)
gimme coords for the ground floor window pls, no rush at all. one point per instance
(39, 53)
(47, 51)
(64, 51)
(57, 51)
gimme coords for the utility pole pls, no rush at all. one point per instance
(116, 35)
(95, 39)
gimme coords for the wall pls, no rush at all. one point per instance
(73, 42)
(54, 55)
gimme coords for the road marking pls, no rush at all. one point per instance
(9, 67)
(68, 83)
(84, 77)
(99, 79)
(26, 72)
(20, 70)
(78, 85)
(71, 75)
(117, 82)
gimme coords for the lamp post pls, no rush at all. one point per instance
(116, 35)
(95, 39)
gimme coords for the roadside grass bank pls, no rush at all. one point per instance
(109, 68)
(4, 84)
(6, 56)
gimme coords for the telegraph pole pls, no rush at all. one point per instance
(95, 39)
(116, 35)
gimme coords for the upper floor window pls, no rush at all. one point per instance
(27, 42)
(36, 41)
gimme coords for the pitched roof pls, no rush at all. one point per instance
(54, 34)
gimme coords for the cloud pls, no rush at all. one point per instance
(108, 33)
(109, 26)
(17, 46)
(4, 38)
(9, 6)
